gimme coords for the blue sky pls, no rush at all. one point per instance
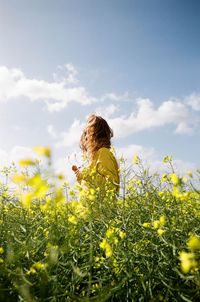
(137, 63)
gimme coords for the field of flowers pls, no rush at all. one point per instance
(64, 244)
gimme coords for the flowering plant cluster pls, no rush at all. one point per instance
(73, 244)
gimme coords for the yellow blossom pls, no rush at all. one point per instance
(122, 234)
(43, 151)
(146, 224)
(160, 232)
(190, 174)
(188, 261)
(194, 243)
(36, 267)
(167, 159)
(174, 178)
(162, 220)
(136, 159)
(26, 162)
(108, 251)
(109, 232)
(164, 177)
(106, 247)
(115, 240)
(156, 224)
(72, 219)
(161, 194)
(185, 179)
(17, 178)
(39, 265)
(103, 244)
(1, 250)
(26, 200)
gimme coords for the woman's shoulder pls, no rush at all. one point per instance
(105, 152)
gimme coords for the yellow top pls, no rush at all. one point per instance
(103, 168)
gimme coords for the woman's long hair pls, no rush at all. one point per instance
(96, 135)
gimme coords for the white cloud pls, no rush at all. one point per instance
(151, 159)
(146, 117)
(129, 151)
(184, 128)
(51, 130)
(4, 159)
(15, 154)
(193, 101)
(112, 96)
(57, 95)
(107, 111)
(20, 152)
(67, 138)
(72, 74)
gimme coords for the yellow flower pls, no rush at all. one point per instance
(174, 178)
(103, 244)
(162, 220)
(122, 234)
(138, 182)
(160, 232)
(39, 266)
(188, 261)
(109, 232)
(194, 243)
(39, 186)
(108, 251)
(185, 179)
(106, 247)
(156, 224)
(44, 207)
(1, 250)
(115, 240)
(146, 224)
(72, 219)
(26, 200)
(176, 192)
(189, 173)
(43, 151)
(136, 159)
(36, 267)
(26, 162)
(164, 177)
(167, 159)
(17, 178)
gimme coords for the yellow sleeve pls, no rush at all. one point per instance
(103, 169)
(107, 165)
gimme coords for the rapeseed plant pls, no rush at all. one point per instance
(92, 245)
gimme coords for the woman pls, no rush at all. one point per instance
(103, 168)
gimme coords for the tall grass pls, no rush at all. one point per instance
(142, 245)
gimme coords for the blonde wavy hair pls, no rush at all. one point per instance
(97, 134)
